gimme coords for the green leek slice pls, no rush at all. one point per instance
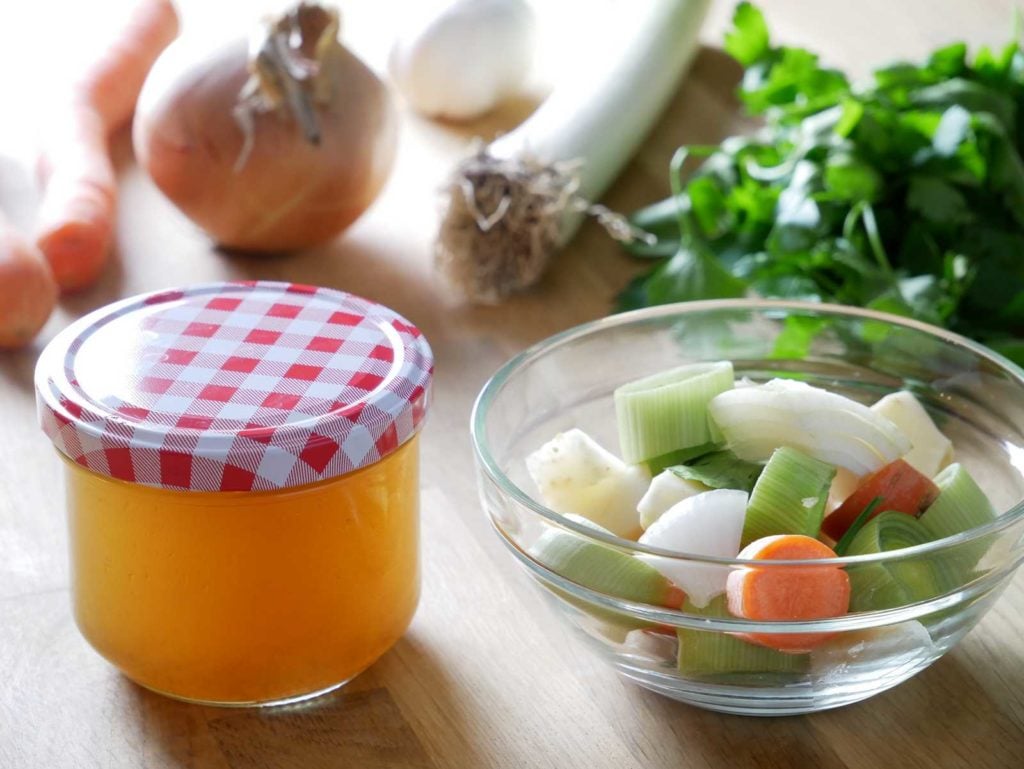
(601, 568)
(887, 585)
(667, 412)
(714, 653)
(789, 496)
(960, 506)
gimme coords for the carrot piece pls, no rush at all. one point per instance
(779, 593)
(28, 292)
(899, 486)
(76, 218)
(674, 597)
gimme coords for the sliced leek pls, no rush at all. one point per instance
(789, 496)
(714, 653)
(667, 412)
(666, 490)
(602, 568)
(897, 582)
(827, 426)
(960, 506)
(931, 450)
(575, 474)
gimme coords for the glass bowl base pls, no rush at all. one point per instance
(796, 699)
(294, 699)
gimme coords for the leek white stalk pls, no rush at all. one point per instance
(827, 426)
(514, 204)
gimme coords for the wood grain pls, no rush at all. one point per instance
(486, 676)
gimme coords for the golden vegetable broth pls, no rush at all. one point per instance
(246, 597)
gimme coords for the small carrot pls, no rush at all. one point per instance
(780, 593)
(76, 218)
(899, 487)
(28, 292)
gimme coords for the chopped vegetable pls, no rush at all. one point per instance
(959, 506)
(604, 569)
(75, 224)
(668, 411)
(904, 193)
(28, 292)
(575, 474)
(931, 450)
(512, 206)
(888, 584)
(285, 159)
(789, 497)
(900, 488)
(666, 490)
(819, 446)
(780, 593)
(705, 524)
(720, 470)
(706, 652)
(758, 419)
(459, 62)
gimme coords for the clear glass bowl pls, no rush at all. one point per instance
(976, 397)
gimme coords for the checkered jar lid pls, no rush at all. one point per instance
(234, 386)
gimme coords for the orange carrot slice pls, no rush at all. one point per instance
(898, 486)
(76, 218)
(27, 289)
(780, 593)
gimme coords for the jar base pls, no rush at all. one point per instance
(293, 699)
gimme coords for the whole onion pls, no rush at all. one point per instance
(273, 145)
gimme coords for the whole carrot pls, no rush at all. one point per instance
(76, 218)
(28, 292)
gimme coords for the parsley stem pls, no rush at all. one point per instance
(675, 173)
(871, 228)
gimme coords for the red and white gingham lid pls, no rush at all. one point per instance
(234, 386)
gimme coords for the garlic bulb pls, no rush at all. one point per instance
(461, 62)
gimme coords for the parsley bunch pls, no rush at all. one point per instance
(904, 195)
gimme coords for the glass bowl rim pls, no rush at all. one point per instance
(497, 381)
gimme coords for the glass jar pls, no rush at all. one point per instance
(242, 485)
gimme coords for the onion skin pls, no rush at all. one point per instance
(289, 193)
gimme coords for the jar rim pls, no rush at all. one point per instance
(234, 386)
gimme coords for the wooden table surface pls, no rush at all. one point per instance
(487, 676)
